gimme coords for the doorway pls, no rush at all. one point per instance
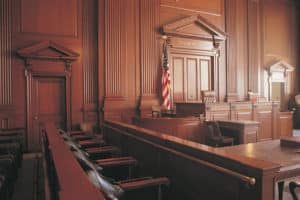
(48, 100)
(278, 93)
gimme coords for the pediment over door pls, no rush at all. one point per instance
(281, 66)
(47, 50)
(195, 27)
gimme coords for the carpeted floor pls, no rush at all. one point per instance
(24, 186)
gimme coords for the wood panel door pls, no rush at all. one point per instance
(190, 75)
(48, 105)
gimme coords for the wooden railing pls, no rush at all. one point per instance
(239, 176)
(73, 181)
(195, 170)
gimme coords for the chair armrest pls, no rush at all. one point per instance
(127, 186)
(119, 161)
(101, 150)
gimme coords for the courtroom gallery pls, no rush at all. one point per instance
(149, 99)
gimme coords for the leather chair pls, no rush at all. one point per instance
(214, 135)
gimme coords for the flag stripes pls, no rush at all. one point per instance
(166, 80)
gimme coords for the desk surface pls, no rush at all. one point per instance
(268, 151)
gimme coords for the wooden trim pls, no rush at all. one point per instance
(73, 181)
(175, 27)
(5, 52)
(239, 176)
(67, 56)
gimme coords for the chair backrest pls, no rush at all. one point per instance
(213, 128)
(87, 127)
(156, 111)
(208, 96)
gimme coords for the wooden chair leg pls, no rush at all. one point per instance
(159, 193)
(292, 187)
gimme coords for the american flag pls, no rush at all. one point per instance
(166, 81)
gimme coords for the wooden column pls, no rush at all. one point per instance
(237, 49)
(6, 100)
(150, 69)
(232, 49)
(89, 59)
(115, 92)
(254, 44)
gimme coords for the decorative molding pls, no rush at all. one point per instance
(6, 52)
(36, 51)
(281, 66)
(183, 6)
(180, 28)
(89, 59)
(49, 52)
(203, 40)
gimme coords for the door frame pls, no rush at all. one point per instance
(30, 75)
(47, 51)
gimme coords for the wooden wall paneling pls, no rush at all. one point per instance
(217, 111)
(132, 58)
(205, 72)
(115, 89)
(242, 46)
(254, 44)
(68, 34)
(275, 120)
(192, 79)
(59, 22)
(89, 61)
(101, 59)
(263, 114)
(280, 17)
(121, 41)
(6, 52)
(178, 69)
(150, 62)
(241, 111)
(232, 49)
(285, 124)
(7, 110)
(174, 10)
